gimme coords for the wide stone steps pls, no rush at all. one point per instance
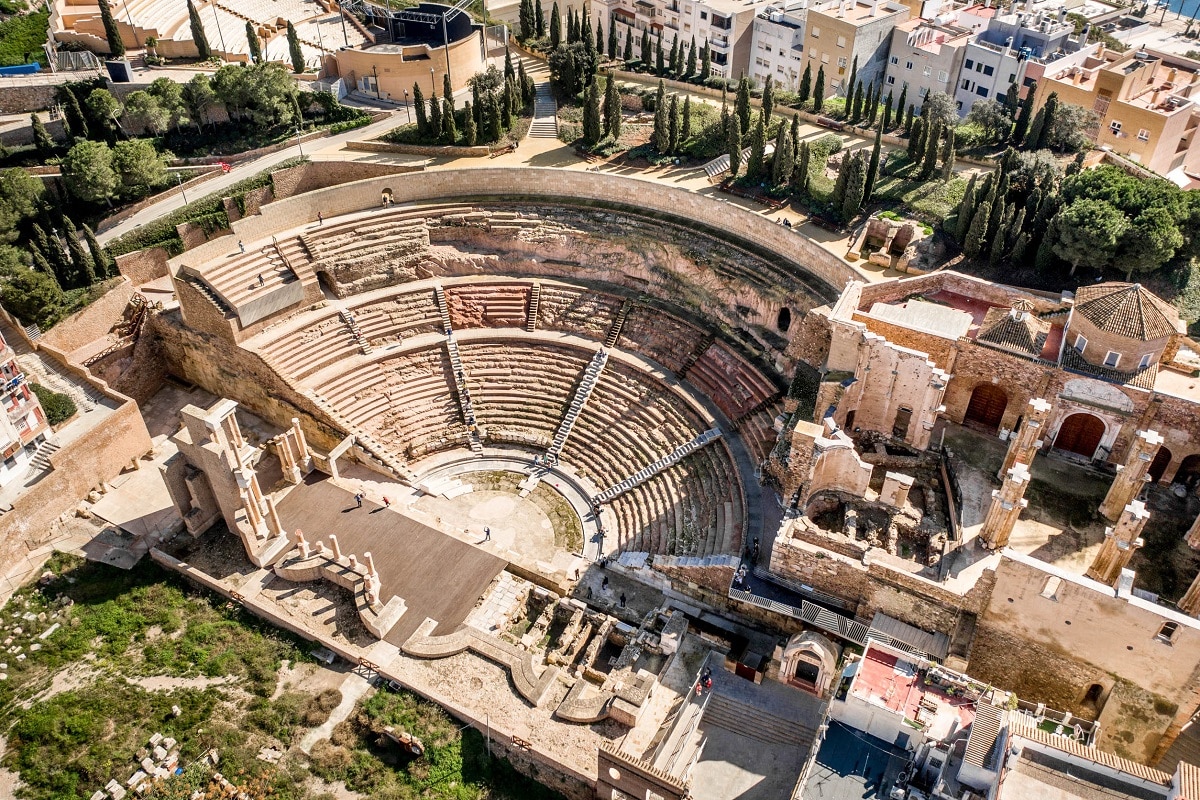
(545, 114)
(590, 377)
(460, 375)
(650, 471)
(725, 712)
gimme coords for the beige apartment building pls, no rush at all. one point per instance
(838, 31)
(1146, 101)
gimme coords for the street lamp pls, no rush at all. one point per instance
(407, 107)
(183, 191)
(432, 82)
(375, 72)
(220, 32)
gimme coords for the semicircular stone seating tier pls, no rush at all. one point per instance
(380, 359)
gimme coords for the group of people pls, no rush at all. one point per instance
(705, 682)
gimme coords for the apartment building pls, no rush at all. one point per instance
(777, 44)
(839, 31)
(926, 56)
(1146, 101)
(1008, 48)
(23, 424)
(727, 26)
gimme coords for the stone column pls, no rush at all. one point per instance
(1007, 502)
(1193, 535)
(301, 442)
(1190, 602)
(1120, 541)
(1027, 440)
(287, 459)
(253, 514)
(255, 489)
(273, 518)
(1131, 476)
(335, 547)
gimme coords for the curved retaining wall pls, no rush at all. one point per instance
(800, 253)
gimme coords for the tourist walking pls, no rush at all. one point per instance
(358, 498)
(487, 534)
(320, 218)
(241, 246)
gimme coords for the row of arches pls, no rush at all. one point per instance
(1080, 433)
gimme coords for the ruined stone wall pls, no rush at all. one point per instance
(939, 350)
(715, 579)
(809, 339)
(137, 370)
(142, 266)
(92, 322)
(1020, 378)
(949, 281)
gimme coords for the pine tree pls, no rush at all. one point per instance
(112, 33)
(419, 108)
(253, 41)
(800, 173)
(660, 135)
(886, 125)
(915, 143)
(768, 97)
(973, 244)
(705, 62)
(627, 56)
(873, 167)
(612, 37)
(691, 60)
(646, 52)
(741, 105)
(198, 34)
(73, 116)
(591, 115)
(674, 126)
(99, 258)
(41, 138)
(758, 146)
(805, 85)
(294, 51)
(948, 156)
(819, 90)
(612, 110)
(783, 162)
(838, 198)
(555, 27)
(539, 19)
(734, 146)
(856, 183)
(686, 129)
(1024, 116)
(469, 132)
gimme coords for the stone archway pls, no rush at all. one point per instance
(986, 407)
(1189, 471)
(809, 662)
(1080, 433)
(1162, 459)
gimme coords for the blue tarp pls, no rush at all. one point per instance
(22, 69)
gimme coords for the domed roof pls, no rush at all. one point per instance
(1127, 309)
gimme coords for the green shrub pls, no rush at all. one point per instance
(21, 35)
(58, 407)
(348, 125)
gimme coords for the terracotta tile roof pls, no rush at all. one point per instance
(1189, 781)
(1072, 747)
(1127, 309)
(1001, 328)
(1142, 378)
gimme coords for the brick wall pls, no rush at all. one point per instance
(938, 348)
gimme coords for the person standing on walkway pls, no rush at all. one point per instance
(241, 246)
(320, 218)
(487, 534)
(358, 498)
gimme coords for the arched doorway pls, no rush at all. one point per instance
(810, 662)
(784, 321)
(1159, 465)
(1189, 471)
(986, 408)
(1080, 434)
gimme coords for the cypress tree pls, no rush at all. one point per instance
(932, 142)
(659, 138)
(41, 138)
(570, 25)
(768, 97)
(1049, 110)
(591, 115)
(673, 61)
(586, 35)
(539, 19)
(857, 110)
(741, 105)
(198, 34)
(966, 207)
(686, 130)
(856, 183)
(476, 108)
(873, 94)
(294, 51)
(493, 120)
(705, 62)
(255, 44)
(419, 108)
(1015, 228)
(914, 140)
(800, 173)
(40, 240)
(525, 19)
(506, 100)
(674, 126)
(469, 133)
(599, 37)
(887, 114)
(449, 129)
(1036, 130)
(646, 53)
(509, 72)
(111, 32)
(900, 106)
(85, 269)
(805, 85)
(1024, 117)
(612, 37)
(628, 54)
(783, 162)
(948, 156)
(996, 251)
(734, 146)
(612, 109)
(795, 136)
(42, 265)
(838, 198)
(659, 57)
(691, 60)
(999, 200)
(908, 121)
(448, 92)
(1012, 100)
(72, 113)
(99, 258)
(873, 167)
(1020, 247)
(758, 146)
(555, 27)
(435, 117)
(819, 90)
(973, 244)
(852, 83)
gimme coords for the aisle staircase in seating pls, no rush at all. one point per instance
(460, 375)
(531, 315)
(352, 324)
(694, 356)
(670, 460)
(737, 423)
(614, 330)
(591, 377)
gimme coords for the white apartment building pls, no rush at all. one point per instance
(777, 44)
(839, 32)
(926, 56)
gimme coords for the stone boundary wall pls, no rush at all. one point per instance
(125, 213)
(951, 281)
(375, 146)
(143, 266)
(90, 323)
(646, 198)
(542, 768)
(310, 176)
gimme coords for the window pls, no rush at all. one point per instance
(1028, 83)
(1050, 590)
(979, 67)
(895, 60)
(989, 71)
(767, 47)
(841, 41)
(1115, 127)
(1143, 135)
(966, 85)
(842, 62)
(924, 91)
(908, 65)
(1167, 632)
(927, 71)
(1145, 362)
(816, 32)
(1080, 343)
(943, 76)
(891, 80)
(982, 91)
(1112, 359)
(1012, 77)
(824, 58)
(969, 64)
(703, 15)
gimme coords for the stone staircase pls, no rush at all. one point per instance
(41, 459)
(590, 377)
(649, 472)
(545, 114)
(460, 375)
(531, 315)
(352, 324)
(725, 712)
(694, 356)
(720, 165)
(737, 423)
(614, 330)
(42, 371)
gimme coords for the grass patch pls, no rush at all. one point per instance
(23, 35)
(929, 201)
